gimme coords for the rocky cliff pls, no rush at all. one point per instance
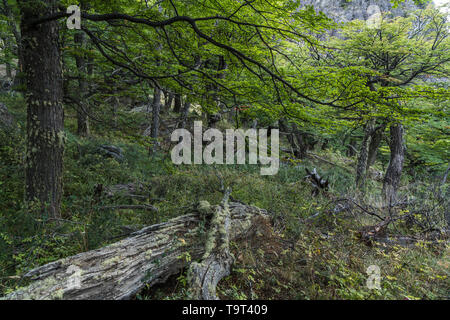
(347, 10)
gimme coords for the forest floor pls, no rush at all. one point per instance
(308, 252)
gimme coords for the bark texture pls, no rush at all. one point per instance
(393, 175)
(45, 135)
(177, 106)
(375, 142)
(361, 166)
(147, 257)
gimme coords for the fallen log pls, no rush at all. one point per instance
(217, 261)
(147, 257)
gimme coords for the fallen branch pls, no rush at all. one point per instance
(315, 156)
(434, 239)
(147, 207)
(147, 257)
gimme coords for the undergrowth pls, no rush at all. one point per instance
(299, 258)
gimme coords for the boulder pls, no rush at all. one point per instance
(111, 152)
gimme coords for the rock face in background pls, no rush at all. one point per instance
(348, 10)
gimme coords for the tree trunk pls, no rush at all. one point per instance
(168, 101)
(351, 148)
(147, 257)
(284, 128)
(375, 142)
(12, 25)
(82, 116)
(185, 113)
(7, 51)
(301, 145)
(45, 135)
(361, 167)
(177, 107)
(156, 108)
(393, 175)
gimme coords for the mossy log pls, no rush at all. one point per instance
(147, 257)
(217, 261)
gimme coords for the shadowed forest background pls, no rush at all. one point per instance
(92, 206)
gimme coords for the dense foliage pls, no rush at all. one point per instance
(336, 90)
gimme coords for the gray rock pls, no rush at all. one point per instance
(344, 10)
(112, 152)
(6, 119)
(142, 109)
(6, 85)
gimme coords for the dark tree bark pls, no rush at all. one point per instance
(177, 106)
(391, 181)
(82, 116)
(301, 143)
(156, 109)
(296, 138)
(290, 136)
(361, 167)
(185, 113)
(45, 135)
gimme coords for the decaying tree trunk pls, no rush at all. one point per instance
(149, 256)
